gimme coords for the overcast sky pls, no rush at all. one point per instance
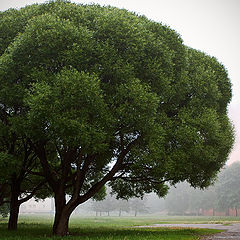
(211, 26)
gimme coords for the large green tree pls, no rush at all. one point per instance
(104, 95)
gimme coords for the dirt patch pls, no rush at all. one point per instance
(230, 232)
(225, 235)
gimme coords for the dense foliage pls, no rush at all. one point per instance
(102, 95)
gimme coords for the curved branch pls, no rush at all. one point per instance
(49, 174)
(109, 176)
(32, 193)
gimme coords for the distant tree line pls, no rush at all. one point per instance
(222, 196)
(111, 204)
(183, 199)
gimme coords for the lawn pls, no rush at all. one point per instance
(109, 228)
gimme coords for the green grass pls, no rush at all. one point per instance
(105, 228)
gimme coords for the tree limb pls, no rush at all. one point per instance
(33, 192)
(96, 187)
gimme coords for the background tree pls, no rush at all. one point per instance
(122, 205)
(111, 203)
(195, 201)
(209, 199)
(138, 205)
(178, 199)
(99, 207)
(227, 188)
(107, 205)
(186, 200)
(105, 95)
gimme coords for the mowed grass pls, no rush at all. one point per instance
(108, 228)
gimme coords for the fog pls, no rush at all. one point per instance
(181, 201)
(220, 199)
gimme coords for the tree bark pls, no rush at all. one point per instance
(63, 212)
(61, 221)
(13, 219)
(14, 205)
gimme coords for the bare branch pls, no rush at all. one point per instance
(109, 176)
(32, 193)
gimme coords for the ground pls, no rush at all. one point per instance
(231, 231)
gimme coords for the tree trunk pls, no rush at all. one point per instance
(236, 209)
(13, 218)
(227, 212)
(62, 214)
(14, 205)
(60, 226)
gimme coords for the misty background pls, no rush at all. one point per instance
(220, 199)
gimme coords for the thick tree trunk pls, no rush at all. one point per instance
(14, 212)
(14, 205)
(60, 227)
(62, 215)
(13, 218)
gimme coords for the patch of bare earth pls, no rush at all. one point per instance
(232, 233)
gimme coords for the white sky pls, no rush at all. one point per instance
(211, 26)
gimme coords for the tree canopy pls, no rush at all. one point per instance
(104, 95)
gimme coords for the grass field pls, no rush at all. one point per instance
(110, 228)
